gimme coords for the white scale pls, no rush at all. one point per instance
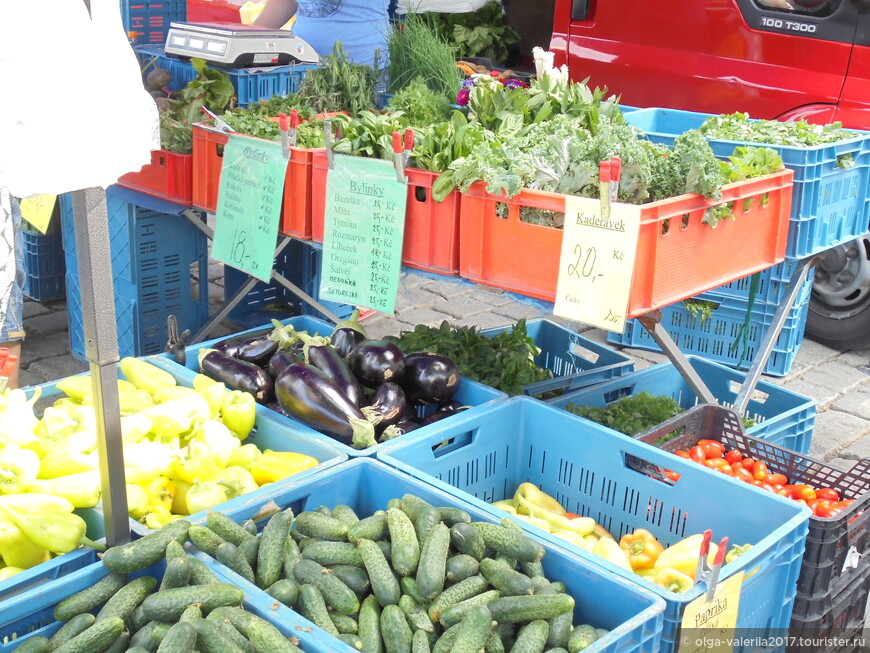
(232, 44)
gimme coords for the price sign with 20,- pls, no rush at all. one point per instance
(249, 205)
(597, 263)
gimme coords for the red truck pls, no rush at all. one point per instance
(774, 59)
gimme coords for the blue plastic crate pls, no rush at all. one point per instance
(469, 393)
(781, 417)
(268, 433)
(151, 18)
(716, 337)
(44, 266)
(830, 205)
(574, 360)
(251, 84)
(32, 614)
(633, 615)
(299, 263)
(594, 472)
(159, 268)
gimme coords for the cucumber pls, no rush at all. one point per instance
(230, 555)
(426, 520)
(454, 594)
(150, 635)
(335, 592)
(250, 548)
(559, 586)
(346, 514)
(205, 539)
(168, 605)
(270, 555)
(290, 555)
(137, 619)
(505, 560)
(327, 552)
(70, 629)
(324, 510)
(494, 643)
(433, 560)
(88, 599)
(560, 626)
(144, 552)
(181, 638)
(127, 598)
(405, 546)
(175, 550)
(466, 539)
(384, 584)
(386, 548)
(305, 541)
(37, 644)
(200, 574)
(444, 643)
(228, 631)
(351, 640)
(452, 516)
(249, 525)
(409, 587)
(355, 578)
(210, 638)
(226, 528)
(312, 605)
(240, 619)
(98, 637)
(461, 566)
(120, 644)
(531, 607)
(177, 573)
(285, 590)
(556, 649)
(372, 528)
(509, 542)
(508, 581)
(415, 614)
(191, 613)
(532, 637)
(268, 639)
(473, 630)
(324, 527)
(420, 642)
(137, 649)
(532, 569)
(344, 624)
(369, 625)
(395, 630)
(414, 505)
(601, 632)
(581, 637)
(456, 613)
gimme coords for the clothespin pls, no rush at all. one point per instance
(615, 174)
(604, 177)
(398, 158)
(703, 570)
(294, 126)
(284, 124)
(327, 137)
(7, 365)
(409, 145)
(713, 580)
(176, 344)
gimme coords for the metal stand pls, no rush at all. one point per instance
(195, 218)
(101, 350)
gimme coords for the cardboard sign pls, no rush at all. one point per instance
(710, 625)
(37, 210)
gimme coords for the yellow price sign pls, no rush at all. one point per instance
(596, 264)
(709, 626)
(37, 210)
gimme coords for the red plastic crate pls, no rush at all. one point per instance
(169, 175)
(319, 168)
(213, 11)
(677, 255)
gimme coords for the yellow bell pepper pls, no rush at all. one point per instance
(160, 491)
(610, 551)
(272, 466)
(505, 504)
(244, 456)
(144, 375)
(536, 521)
(673, 580)
(137, 501)
(81, 489)
(683, 556)
(9, 572)
(642, 547)
(530, 497)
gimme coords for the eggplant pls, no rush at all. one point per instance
(254, 349)
(375, 362)
(388, 403)
(314, 399)
(230, 345)
(438, 415)
(284, 357)
(348, 334)
(237, 374)
(399, 428)
(449, 405)
(429, 377)
(325, 357)
(278, 408)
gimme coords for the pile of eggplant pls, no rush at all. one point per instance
(356, 390)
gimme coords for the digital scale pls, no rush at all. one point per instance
(233, 44)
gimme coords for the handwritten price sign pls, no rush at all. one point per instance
(37, 210)
(709, 626)
(249, 205)
(597, 263)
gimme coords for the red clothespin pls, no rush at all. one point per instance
(703, 570)
(294, 126)
(615, 175)
(604, 178)
(398, 157)
(284, 124)
(713, 580)
(7, 365)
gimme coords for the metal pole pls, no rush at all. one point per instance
(101, 350)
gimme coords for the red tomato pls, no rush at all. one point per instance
(717, 463)
(747, 463)
(672, 476)
(743, 475)
(697, 454)
(681, 453)
(828, 493)
(733, 456)
(803, 492)
(712, 448)
(776, 479)
(784, 492)
(823, 508)
(725, 470)
(571, 515)
(759, 470)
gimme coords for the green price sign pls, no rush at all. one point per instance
(249, 205)
(363, 231)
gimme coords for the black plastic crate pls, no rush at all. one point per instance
(837, 547)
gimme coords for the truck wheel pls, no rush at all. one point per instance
(839, 314)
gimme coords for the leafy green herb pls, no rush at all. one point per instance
(437, 145)
(339, 85)
(368, 134)
(740, 127)
(481, 33)
(745, 163)
(505, 361)
(631, 415)
(419, 51)
(420, 104)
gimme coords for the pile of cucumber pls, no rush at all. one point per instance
(414, 578)
(188, 609)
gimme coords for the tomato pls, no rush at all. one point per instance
(570, 515)
(747, 463)
(725, 470)
(823, 508)
(717, 463)
(743, 474)
(759, 470)
(776, 479)
(733, 456)
(697, 454)
(681, 453)
(712, 448)
(829, 494)
(672, 476)
(803, 492)
(784, 492)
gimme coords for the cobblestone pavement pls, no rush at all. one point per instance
(830, 377)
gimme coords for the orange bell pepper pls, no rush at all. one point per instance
(642, 547)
